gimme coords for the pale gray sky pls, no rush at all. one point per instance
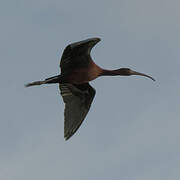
(132, 130)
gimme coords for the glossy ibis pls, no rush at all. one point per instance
(77, 69)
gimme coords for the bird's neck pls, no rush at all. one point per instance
(116, 72)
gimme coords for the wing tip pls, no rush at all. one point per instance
(69, 134)
(66, 137)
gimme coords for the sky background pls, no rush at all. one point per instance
(132, 129)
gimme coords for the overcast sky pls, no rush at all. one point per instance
(132, 131)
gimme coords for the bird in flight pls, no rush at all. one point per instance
(77, 70)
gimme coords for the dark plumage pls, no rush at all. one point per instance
(77, 69)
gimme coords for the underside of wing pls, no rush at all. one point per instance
(74, 58)
(77, 99)
(75, 55)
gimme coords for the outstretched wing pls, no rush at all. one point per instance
(77, 99)
(77, 55)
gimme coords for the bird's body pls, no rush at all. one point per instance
(77, 70)
(84, 75)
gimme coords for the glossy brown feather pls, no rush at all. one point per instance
(84, 75)
(77, 69)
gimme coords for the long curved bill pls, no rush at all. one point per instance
(141, 74)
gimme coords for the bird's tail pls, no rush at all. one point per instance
(50, 80)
